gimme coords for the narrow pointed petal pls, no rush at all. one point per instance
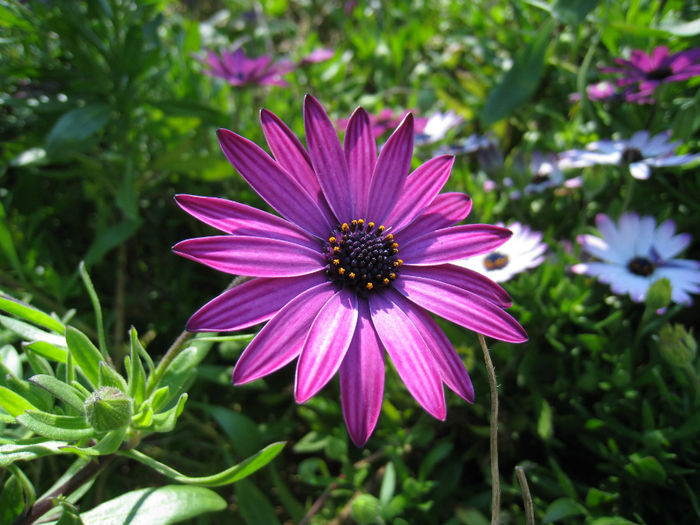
(251, 303)
(422, 186)
(292, 156)
(447, 209)
(282, 338)
(362, 379)
(412, 359)
(361, 156)
(327, 159)
(326, 345)
(464, 278)
(238, 219)
(251, 256)
(451, 244)
(390, 173)
(273, 184)
(461, 307)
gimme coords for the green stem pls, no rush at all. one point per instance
(527, 498)
(493, 435)
(629, 188)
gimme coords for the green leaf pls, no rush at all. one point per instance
(254, 506)
(34, 395)
(366, 510)
(230, 475)
(75, 127)
(7, 244)
(30, 332)
(108, 376)
(68, 428)
(85, 354)
(386, 492)
(13, 403)
(30, 449)
(87, 282)
(136, 375)
(31, 314)
(47, 350)
(155, 506)
(562, 508)
(110, 238)
(59, 390)
(437, 453)
(573, 12)
(165, 421)
(646, 468)
(521, 80)
(108, 444)
(11, 500)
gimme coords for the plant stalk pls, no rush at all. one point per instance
(493, 435)
(527, 498)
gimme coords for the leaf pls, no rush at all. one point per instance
(691, 28)
(110, 238)
(226, 477)
(573, 12)
(521, 80)
(108, 444)
(7, 244)
(165, 421)
(13, 403)
(155, 506)
(85, 354)
(108, 376)
(47, 350)
(52, 426)
(562, 508)
(242, 431)
(30, 449)
(75, 127)
(30, 332)
(11, 500)
(31, 314)
(646, 468)
(59, 390)
(386, 492)
(254, 506)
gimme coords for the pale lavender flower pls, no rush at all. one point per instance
(239, 70)
(317, 55)
(636, 253)
(641, 153)
(353, 267)
(524, 250)
(471, 144)
(437, 127)
(546, 174)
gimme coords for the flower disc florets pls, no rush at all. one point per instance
(495, 261)
(362, 256)
(641, 266)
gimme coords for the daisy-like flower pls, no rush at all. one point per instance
(239, 70)
(384, 121)
(320, 54)
(471, 144)
(353, 267)
(635, 253)
(640, 153)
(437, 127)
(522, 251)
(647, 72)
(546, 174)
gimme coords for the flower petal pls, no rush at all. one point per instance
(282, 338)
(361, 156)
(326, 345)
(451, 244)
(390, 173)
(421, 188)
(327, 159)
(252, 256)
(462, 307)
(239, 219)
(447, 209)
(251, 303)
(362, 378)
(273, 184)
(412, 359)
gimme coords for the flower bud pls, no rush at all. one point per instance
(108, 408)
(677, 345)
(659, 294)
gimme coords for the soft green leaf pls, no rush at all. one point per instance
(230, 475)
(11, 500)
(386, 492)
(646, 468)
(87, 282)
(366, 510)
(33, 394)
(13, 403)
(136, 375)
(562, 508)
(254, 506)
(85, 354)
(7, 245)
(143, 418)
(108, 376)
(75, 127)
(60, 390)
(30, 332)
(159, 397)
(165, 421)
(108, 444)
(155, 506)
(110, 238)
(30, 449)
(437, 453)
(31, 314)
(38, 364)
(47, 350)
(573, 12)
(10, 359)
(68, 428)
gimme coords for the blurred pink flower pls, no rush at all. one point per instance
(239, 70)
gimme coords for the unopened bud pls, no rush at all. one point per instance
(108, 408)
(677, 345)
(659, 294)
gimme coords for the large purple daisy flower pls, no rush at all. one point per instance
(363, 256)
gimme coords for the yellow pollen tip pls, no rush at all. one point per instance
(336, 249)
(351, 275)
(400, 261)
(381, 229)
(385, 281)
(353, 222)
(332, 240)
(392, 276)
(345, 227)
(394, 245)
(390, 237)
(369, 286)
(371, 225)
(396, 251)
(341, 271)
(336, 262)
(361, 222)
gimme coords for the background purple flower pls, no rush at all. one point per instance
(239, 70)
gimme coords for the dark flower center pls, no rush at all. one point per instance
(539, 178)
(659, 73)
(361, 256)
(641, 266)
(495, 261)
(630, 155)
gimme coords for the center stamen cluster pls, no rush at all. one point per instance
(630, 155)
(361, 256)
(659, 73)
(641, 266)
(495, 261)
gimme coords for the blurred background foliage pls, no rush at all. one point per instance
(105, 114)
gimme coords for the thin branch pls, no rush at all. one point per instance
(493, 435)
(527, 498)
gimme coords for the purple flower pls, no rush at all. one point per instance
(353, 267)
(384, 121)
(317, 55)
(437, 127)
(239, 70)
(636, 253)
(647, 72)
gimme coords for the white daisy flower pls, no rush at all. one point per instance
(636, 253)
(523, 250)
(641, 153)
(471, 144)
(546, 174)
(437, 127)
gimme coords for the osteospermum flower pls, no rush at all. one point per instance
(636, 253)
(646, 72)
(640, 153)
(352, 268)
(522, 251)
(239, 70)
(437, 127)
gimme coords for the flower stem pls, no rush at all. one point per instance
(493, 434)
(527, 498)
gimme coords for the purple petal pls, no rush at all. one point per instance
(361, 156)
(250, 303)
(239, 219)
(451, 244)
(251, 255)
(462, 307)
(282, 338)
(422, 186)
(461, 277)
(328, 159)
(326, 345)
(292, 156)
(273, 184)
(447, 209)
(362, 378)
(412, 359)
(390, 173)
